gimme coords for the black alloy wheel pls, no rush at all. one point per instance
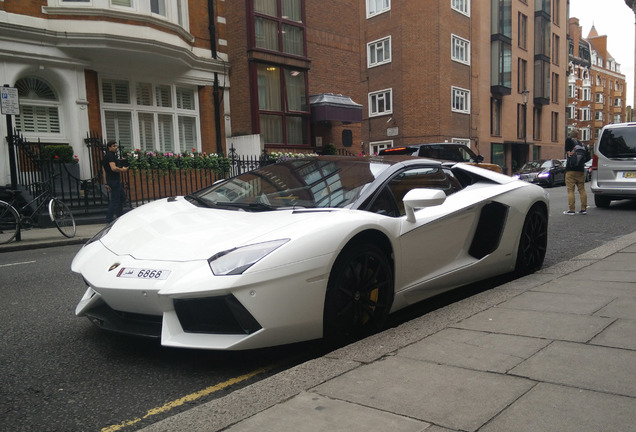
(359, 293)
(533, 242)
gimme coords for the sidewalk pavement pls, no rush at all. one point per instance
(35, 238)
(553, 351)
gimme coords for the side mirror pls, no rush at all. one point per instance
(480, 158)
(421, 198)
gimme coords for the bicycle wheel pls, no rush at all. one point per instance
(9, 223)
(62, 216)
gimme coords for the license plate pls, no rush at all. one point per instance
(143, 273)
(629, 174)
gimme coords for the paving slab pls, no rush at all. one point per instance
(602, 275)
(630, 249)
(490, 352)
(620, 334)
(624, 307)
(548, 325)
(569, 286)
(550, 407)
(556, 302)
(583, 366)
(310, 412)
(622, 262)
(447, 396)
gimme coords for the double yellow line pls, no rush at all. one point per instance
(189, 398)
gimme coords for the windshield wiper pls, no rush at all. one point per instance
(199, 200)
(248, 206)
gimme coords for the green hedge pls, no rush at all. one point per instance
(58, 153)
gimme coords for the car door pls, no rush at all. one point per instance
(559, 171)
(436, 243)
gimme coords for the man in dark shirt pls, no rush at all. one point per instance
(575, 176)
(113, 181)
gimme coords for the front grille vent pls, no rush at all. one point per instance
(215, 315)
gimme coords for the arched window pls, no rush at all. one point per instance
(39, 107)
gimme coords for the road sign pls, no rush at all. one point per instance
(9, 102)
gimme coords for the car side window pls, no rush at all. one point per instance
(384, 203)
(421, 177)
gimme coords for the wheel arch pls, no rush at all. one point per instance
(377, 238)
(366, 240)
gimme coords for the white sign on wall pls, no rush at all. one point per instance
(9, 102)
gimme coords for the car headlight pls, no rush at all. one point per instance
(544, 174)
(236, 261)
(516, 176)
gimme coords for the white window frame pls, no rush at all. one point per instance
(155, 114)
(464, 141)
(570, 112)
(461, 6)
(586, 94)
(598, 115)
(42, 109)
(462, 46)
(376, 146)
(599, 98)
(377, 7)
(380, 96)
(586, 114)
(383, 45)
(460, 100)
(585, 134)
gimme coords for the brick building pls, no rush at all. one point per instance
(596, 86)
(288, 56)
(491, 75)
(580, 108)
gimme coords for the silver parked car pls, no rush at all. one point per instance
(614, 164)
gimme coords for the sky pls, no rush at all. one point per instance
(614, 19)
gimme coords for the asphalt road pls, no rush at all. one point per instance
(570, 236)
(59, 373)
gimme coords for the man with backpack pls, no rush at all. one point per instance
(577, 154)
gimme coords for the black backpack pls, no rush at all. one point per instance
(580, 155)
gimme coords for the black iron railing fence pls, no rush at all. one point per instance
(151, 177)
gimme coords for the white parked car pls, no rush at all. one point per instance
(307, 248)
(614, 164)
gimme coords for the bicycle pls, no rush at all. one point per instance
(14, 217)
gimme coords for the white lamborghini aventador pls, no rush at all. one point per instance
(307, 248)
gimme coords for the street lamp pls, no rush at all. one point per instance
(525, 95)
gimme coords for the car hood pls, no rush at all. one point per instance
(531, 171)
(176, 230)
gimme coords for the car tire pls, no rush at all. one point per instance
(533, 242)
(359, 293)
(602, 201)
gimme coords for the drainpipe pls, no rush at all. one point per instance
(215, 93)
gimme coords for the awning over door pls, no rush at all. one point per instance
(331, 107)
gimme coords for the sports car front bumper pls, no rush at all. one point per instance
(193, 308)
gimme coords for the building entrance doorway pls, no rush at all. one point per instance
(518, 156)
